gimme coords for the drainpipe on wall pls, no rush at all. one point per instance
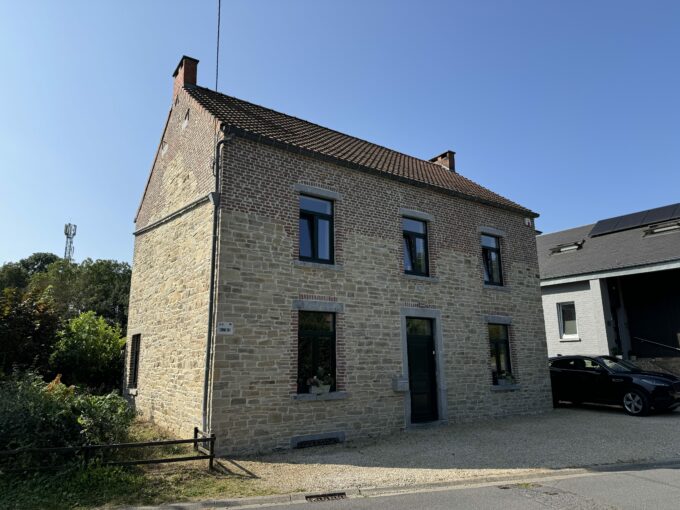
(215, 200)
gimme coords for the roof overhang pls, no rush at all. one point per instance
(624, 271)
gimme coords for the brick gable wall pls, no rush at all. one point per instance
(170, 273)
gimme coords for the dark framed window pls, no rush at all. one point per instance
(415, 247)
(316, 352)
(500, 354)
(491, 255)
(134, 361)
(316, 230)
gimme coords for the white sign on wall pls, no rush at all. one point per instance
(225, 328)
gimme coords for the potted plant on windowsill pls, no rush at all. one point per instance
(321, 383)
(506, 379)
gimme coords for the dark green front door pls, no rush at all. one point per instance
(422, 370)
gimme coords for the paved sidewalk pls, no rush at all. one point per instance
(510, 447)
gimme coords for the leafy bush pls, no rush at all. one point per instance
(89, 351)
(40, 415)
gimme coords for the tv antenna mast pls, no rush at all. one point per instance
(70, 233)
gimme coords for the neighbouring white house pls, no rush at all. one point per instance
(614, 287)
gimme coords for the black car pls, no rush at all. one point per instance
(609, 380)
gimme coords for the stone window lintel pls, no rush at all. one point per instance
(313, 191)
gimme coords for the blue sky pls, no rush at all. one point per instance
(571, 108)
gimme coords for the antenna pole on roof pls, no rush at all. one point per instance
(217, 65)
(217, 53)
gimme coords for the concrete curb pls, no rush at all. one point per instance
(368, 492)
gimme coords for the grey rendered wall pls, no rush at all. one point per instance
(590, 319)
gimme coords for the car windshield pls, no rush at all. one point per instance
(619, 365)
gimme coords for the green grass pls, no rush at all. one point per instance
(113, 486)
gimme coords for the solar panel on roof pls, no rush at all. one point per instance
(630, 221)
(635, 220)
(603, 227)
(661, 214)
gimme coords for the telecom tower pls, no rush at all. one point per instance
(70, 233)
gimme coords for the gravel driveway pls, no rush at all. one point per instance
(563, 438)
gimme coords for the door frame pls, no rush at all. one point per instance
(435, 315)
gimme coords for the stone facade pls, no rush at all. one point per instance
(262, 286)
(254, 402)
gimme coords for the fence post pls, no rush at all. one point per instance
(195, 438)
(212, 452)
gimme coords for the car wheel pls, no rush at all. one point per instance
(635, 403)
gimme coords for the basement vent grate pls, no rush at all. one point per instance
(315, 498)
(318, 442)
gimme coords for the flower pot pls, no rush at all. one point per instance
(320, 390)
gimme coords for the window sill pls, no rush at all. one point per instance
(432, 279)
(566, 339)
(132, 391)
(505, 387)
(502, 288)
(306, 397)
(318, 265)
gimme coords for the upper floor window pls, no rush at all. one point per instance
(316, 229)
(567, 318)
(415, 247)
(491, 254)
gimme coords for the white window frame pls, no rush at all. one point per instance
(560, 321)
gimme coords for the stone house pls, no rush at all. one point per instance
(292, 284)
(612, 287)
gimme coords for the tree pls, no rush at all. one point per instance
(38, 262)
(89, 352)
(105, 289)
(28, 327)
(102, 286)
(18, 274)
(13, 276)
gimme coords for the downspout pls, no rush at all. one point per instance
(215, 200)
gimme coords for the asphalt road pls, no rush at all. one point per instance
(655, 488)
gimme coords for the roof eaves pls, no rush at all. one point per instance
(605, 272)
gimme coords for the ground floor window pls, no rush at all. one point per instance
(134, 361)
(500, 354)
(316, 352)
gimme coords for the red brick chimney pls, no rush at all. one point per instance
(185, 74)
(447, 160)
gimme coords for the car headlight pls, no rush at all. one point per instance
(655, 383)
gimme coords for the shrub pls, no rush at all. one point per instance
(40, 415)
(89, 352)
